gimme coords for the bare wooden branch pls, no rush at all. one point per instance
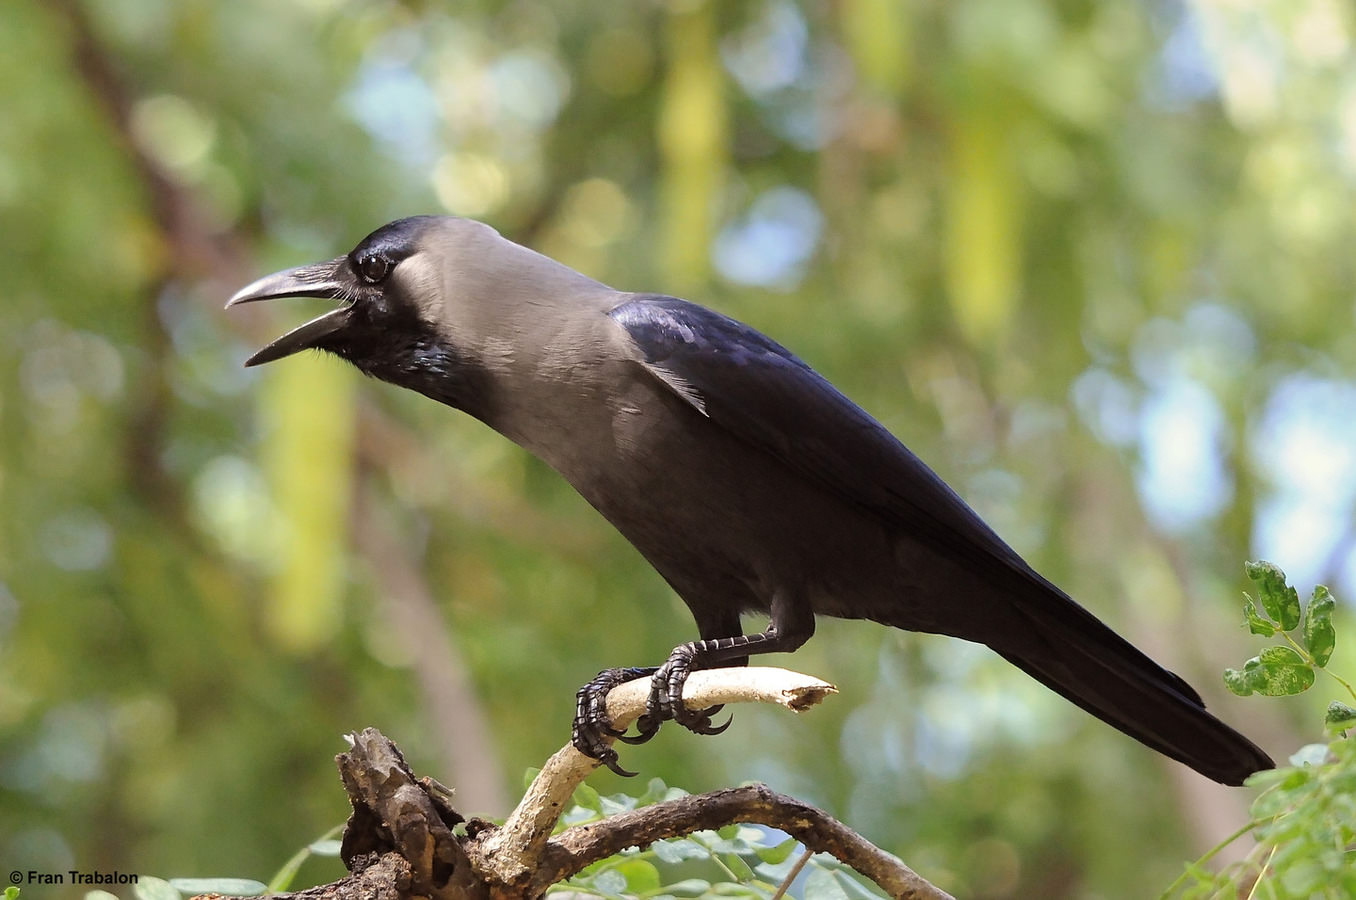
(392, 811)
(575, 848)
(377, 877)
(519, 841)
(404, 840)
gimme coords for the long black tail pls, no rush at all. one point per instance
(1073, 653)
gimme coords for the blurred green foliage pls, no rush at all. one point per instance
(1090, 259)
(1303, 820)
(751, 861)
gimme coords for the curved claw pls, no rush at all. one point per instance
(699, 721)
(592, 729)
(610, 760)
(647, 727)
(716, 729)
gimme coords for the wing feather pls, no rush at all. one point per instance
(762, 393)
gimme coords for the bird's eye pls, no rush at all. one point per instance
(374, 268)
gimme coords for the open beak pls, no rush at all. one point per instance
(324, 280)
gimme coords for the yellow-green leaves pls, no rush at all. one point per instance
(692, 140)
(1257, 624)
(1339, 716)
(983, 235)
(1278, 598)
(1319, 636)
(1275, 672)
(1286, 669)
(309, 412)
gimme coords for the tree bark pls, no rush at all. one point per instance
(405, 840)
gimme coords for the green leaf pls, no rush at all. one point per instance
(1237, 682)
(1256, 623)
(1302, 878)
(229, 887)
(689, 887)
(282, 879)
(853, 887)
(610, 881)
(1278, 598)
(821, 885)
(613, 804)
(11, 893)
(655, 791)
(1310, 755)
(151, 888)
(325, 845)
(678, 850)
(777, 854)
(1339, 716)
(1319, 635)
(1285, 776)
(737, 865)
(1275, 672)
(1278, 672)
(641, 876)
(97, 895)
(588, 798)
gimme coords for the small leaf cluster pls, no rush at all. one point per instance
(1304, 822)
(1289, 668)
(1304, 819)
(735, 861)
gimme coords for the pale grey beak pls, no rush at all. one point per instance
(324, 280)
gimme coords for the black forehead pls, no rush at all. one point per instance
(395, 240)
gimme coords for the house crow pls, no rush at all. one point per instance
(741, 474)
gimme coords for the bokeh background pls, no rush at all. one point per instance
(1092, 260)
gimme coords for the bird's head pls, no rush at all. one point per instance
(438, 304)
(390, 287)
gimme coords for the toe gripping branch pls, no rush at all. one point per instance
(592, 727)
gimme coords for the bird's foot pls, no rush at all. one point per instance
(592, 726)
(592, 731)
(666, 698)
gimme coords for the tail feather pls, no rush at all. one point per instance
(1083, 660)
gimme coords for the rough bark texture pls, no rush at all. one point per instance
(403, 839)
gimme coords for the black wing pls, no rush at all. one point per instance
(759, 391)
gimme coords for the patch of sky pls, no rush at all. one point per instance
(1305, 443)
(1183, 73)
(1182, 478)
(771, 244)
(770, 59)
(769, 53)
(395, 105)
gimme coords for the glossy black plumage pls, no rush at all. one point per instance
(741, 474)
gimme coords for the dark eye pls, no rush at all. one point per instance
(374, 268)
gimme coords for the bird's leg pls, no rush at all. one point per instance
(591, 722)
(666, 686)
(792, 625)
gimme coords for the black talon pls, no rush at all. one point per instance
(610, 760)
(592, 730)
(646, 728)
(699, 721)
(708, 728)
